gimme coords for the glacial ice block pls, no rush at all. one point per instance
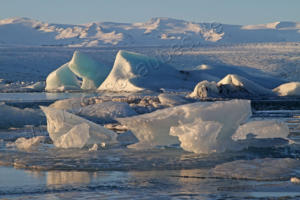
(65, 129)
(62, 79)
(262, 129)
(288, 89)
(153, 129)
(16, 117)
(106, 112)
(134, 72)
(92, 72)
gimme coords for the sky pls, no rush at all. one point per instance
(85, 11)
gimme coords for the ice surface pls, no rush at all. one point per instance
(62, 79)
(153, 129)
(288, 89)
(16, 117)
(198, 136)
(135, 72)
(106, 112)
(65, 129)
(72, 105)
(259, 169)
(26, 144)
(92, 72)
(262, 129)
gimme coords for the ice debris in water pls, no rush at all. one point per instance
(295, 180)
(153, 129)
(62, 79)
(94, 147)
(26, 144)
(16, 117)
(68, 130)
(288, 89)
(262, 129)
(259, 169)
(92, 73)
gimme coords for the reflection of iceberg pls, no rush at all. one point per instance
(135, 72)
(61, 178)
(153, 129)
(259, 169)
(62, 79)
(91, 72)
(65, 129)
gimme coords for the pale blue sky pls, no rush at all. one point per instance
(84, 11)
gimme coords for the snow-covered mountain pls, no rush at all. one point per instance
(155, 32)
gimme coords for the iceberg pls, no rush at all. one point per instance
(91, 72)
(267, 169)
(262, 129)
(231, 86)
(135, 72)
(106, 112)
(16, 117)
(68, 130)
(27, 144)
(62, 79)
(288, 89)
(153, 129)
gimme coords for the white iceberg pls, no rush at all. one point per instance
(62, 79)
(135, 72)
(106, 112)
(288, 89)
(231, 86)
(92, 73)
(153, 129)
(262, 129)
(16, 117)
(68, 130)
(266, 169)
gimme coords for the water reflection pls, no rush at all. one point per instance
(62, 178)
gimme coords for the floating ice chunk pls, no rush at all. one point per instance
(106, 112)
(37, 87)
(153, 129)
(26, 144)
(72, 105)
(262, 129)
(199, 136)
(62, 79)
(295, 180)
(94, 148)
(288, 89)
(232, 86)
(135, 72)
(61, 122)
(91, 72)
(205, 89)
(77, 137)
(16, 117)
(240, 84)
(259, 169)
(171, 99)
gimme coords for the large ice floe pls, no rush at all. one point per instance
(201, 127)
(231, 86)
(70, 131)
(92, 73)
(62, 79)
(288, 89)
(266, 169)
(135, 72)
(16, 117)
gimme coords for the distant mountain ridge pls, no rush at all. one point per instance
(155, 32)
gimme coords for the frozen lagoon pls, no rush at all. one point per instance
(164, 173)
